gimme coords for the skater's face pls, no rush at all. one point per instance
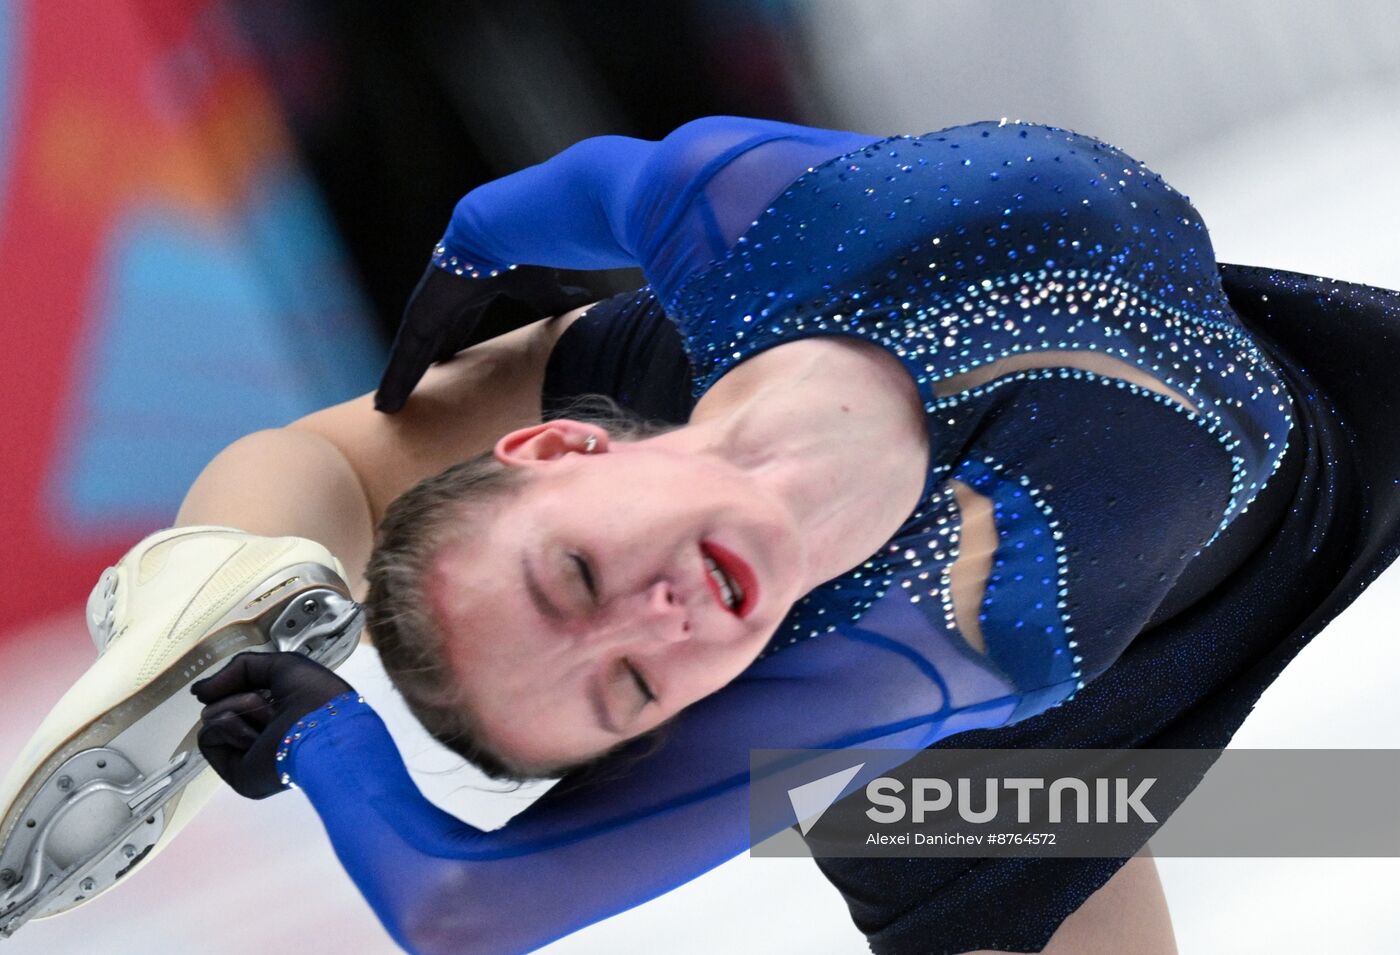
(583, 613)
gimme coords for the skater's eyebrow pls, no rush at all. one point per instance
(546, 609)
(600, 711)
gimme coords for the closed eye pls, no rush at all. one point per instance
(641, 683)
(587, 574)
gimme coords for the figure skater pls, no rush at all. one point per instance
(952, 439)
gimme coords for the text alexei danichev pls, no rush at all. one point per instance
(924, 839)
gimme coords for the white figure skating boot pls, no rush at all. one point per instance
(114, 772)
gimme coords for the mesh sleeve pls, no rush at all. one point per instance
(670, 206)
(593, 847)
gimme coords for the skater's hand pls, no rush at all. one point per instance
(251, 705)
(448, 312)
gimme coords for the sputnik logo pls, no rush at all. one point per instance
(811, 800)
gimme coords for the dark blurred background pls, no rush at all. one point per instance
(398, 109)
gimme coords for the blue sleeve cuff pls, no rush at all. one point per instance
(476, 266)
(337, 709)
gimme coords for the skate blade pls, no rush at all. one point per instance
(99, 804)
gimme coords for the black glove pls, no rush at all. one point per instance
(251, 705)
(447, 313)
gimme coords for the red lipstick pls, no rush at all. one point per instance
(737, 570)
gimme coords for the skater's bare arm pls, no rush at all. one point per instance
(286, 482)
(329, 476)
(460, 409)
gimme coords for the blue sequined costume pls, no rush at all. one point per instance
(979, 244)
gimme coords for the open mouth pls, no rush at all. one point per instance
(730, 579)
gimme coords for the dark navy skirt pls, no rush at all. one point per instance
(1321, 531)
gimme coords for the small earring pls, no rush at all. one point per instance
(590, 444)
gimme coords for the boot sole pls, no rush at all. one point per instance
(109, 796)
